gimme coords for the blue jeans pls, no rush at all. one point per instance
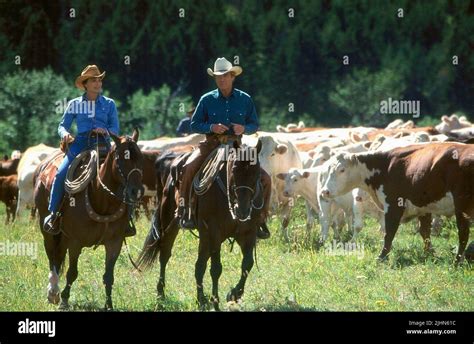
(79, 145)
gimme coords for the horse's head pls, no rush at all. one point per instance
(127, 166)
(244, 180)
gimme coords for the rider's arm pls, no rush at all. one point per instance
(66, 121)
(112, 119)
(199, 122)
(251, 120)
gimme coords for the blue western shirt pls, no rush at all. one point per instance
(101, 113)
(184, 126)
(213, 108)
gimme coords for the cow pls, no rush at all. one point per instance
(9, 195)
(413, 181)
(9, 167)
(277, 156)
(30, 159)
(166, 143)
(451, 123)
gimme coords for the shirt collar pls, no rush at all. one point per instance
(98, 100)
(231, 93)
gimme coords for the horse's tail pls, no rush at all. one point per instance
(151, 246)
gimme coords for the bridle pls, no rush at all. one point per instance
(125, 179)
(254, 192)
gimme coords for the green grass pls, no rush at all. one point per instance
(290, 277)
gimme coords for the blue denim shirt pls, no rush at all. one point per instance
(90, 115)
(214, 108)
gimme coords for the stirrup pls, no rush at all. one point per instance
(51, 224)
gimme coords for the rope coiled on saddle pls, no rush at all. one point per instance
(209, 170)
(74, 186)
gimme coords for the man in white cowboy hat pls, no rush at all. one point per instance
(222, 114)
(94, 114)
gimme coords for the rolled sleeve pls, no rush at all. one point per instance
(113, 122)
(199, 122)
(66, 121)
(251, 120)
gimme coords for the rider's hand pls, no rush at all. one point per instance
(68, 138)
(238, 129)
(100, 131)
(219, 128)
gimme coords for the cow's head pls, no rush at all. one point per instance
(321, 155)
(342, 175)
(293, 181)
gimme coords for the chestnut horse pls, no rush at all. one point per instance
(229, 209)
(121, 173)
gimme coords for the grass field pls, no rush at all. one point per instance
(289, 277)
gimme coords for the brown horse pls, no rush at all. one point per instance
(229, 209)
(82, 226)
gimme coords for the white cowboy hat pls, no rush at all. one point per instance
(222, 66)
(91, 71)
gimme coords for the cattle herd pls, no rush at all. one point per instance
(395, 174)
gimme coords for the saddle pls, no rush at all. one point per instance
(50, 167)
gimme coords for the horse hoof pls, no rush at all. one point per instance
(382, 259)
(215, 303)
(234, 296)
(64, 306)
(53, 297)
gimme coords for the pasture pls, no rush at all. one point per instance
(297, 276)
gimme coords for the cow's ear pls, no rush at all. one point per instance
(281, 149)
(115, 138)
(354, 137)
(305, 174)
(352, 159)
(445, 119)
(259, 146)
(135, 134)
(281, 176)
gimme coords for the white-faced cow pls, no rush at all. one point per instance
(415, 181)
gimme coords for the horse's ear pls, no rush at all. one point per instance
(135, 134)
(236, 145)
(115, 138)
(5, 157)
(259, 146)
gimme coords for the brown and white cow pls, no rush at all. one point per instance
(412, 181)
(9, 194)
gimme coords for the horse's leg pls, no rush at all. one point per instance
(216, 271)
(165, 254)
(112, 252)
(247, 245)
(200, 269)
(71, 274)
(56, 252)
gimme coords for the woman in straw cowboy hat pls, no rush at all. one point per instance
(223, 115)
(94, 114)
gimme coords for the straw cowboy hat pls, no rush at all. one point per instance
(222, 66)
(91, 71)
